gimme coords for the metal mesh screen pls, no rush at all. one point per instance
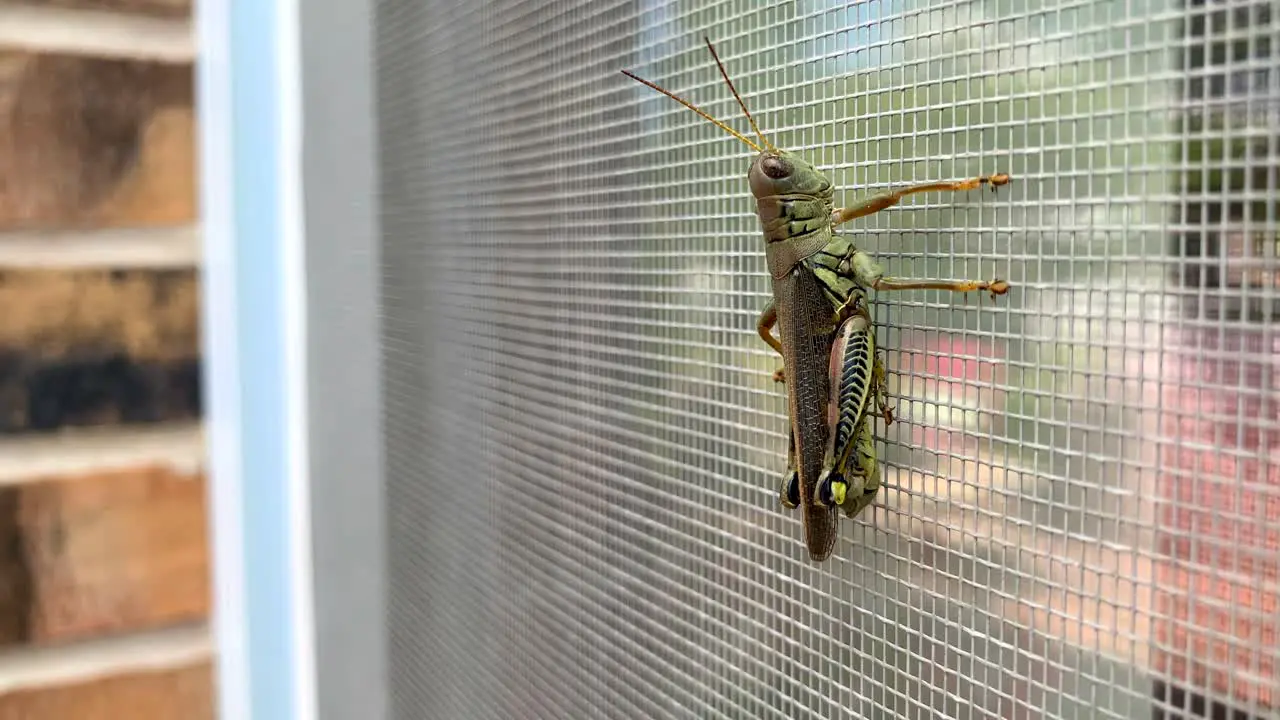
(1081, 511)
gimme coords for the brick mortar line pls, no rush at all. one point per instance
(114, 248)
(26, 459)
(96, 33)
(33, 668)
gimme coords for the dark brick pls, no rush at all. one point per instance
(81, 348)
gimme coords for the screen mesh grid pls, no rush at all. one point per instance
(1080, 515)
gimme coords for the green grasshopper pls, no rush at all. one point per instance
(825, 334)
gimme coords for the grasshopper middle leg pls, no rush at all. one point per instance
(789, 490)
(995, 287)
(870, 274)
(764, 326)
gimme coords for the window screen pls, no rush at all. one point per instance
(1080, 515)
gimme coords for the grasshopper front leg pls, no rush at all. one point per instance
(995, 287)
(876, 203)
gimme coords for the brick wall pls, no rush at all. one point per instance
(104, 568)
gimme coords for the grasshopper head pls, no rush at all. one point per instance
(778, 172)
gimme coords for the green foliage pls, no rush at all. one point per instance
(1226, 157)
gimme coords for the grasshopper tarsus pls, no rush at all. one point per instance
(780, 375)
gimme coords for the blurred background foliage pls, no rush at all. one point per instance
(1126, 174)
(907, 92)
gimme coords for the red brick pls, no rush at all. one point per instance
(102, 553)
(90, 142)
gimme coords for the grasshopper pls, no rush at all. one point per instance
(825, 331)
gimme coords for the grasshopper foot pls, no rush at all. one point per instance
(789, 492)
(780, 375)
(997, 287)
(887, 413)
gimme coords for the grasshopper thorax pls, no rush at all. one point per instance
(780, 173)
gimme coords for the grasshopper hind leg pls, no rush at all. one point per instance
(850, 476)
(862, 465)
(789, 490)
(863, 462)
(853, 486)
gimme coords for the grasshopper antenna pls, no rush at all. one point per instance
(763, 140)
(696, 109)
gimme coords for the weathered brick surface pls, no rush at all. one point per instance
(102, 553)
(97, 347)
(181, 693)
(144, 314)
(88, 142)
(160, 188)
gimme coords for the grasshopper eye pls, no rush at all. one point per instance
(776, 168)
